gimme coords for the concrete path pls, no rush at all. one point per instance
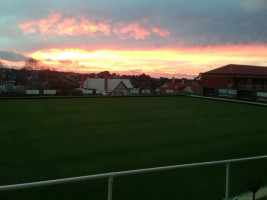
(230, 100)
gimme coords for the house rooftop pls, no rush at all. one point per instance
(238, 70)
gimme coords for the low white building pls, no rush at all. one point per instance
(146, 91)
(134, 91)
(108, 86)
(50, 92)
(32, 92)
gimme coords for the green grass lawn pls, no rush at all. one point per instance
(59, 138)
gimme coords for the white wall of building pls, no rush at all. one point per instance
(32, 92)
(50, 92)
(95, 83)
(99, 84)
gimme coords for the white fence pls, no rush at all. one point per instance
(111, 175)
(50, 92)
(32, 92)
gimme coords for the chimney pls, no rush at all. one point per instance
(106, 85)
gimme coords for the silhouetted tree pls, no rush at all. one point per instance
(104, 74)
(32, 63)
(254, 185)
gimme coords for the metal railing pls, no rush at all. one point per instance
(250, 87)
(111, 175)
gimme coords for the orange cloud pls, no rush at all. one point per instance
(27, 28)
(131, 31)
(161, 32)
(12, 64)
(56, 25)
(46, 25)
(88, 25)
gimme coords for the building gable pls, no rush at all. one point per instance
(120, 86)
(113, 83)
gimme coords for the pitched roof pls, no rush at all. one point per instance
(177, 86)
(113, 83)
(238, 70)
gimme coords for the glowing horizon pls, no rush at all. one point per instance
(167, 62)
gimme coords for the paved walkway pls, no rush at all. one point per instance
(230, 100)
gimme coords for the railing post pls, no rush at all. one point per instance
(227, 181)
(110, 181)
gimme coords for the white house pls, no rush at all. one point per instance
(108, 86)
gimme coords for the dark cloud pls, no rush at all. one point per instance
(189, 22)
(12, 56)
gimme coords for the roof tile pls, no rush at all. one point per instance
(239, 70)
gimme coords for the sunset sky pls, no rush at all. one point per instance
(179, 38)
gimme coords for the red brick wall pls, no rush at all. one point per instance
(215, 81)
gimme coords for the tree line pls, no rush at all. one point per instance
(35, 75)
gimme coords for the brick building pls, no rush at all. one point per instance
(244, 81)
